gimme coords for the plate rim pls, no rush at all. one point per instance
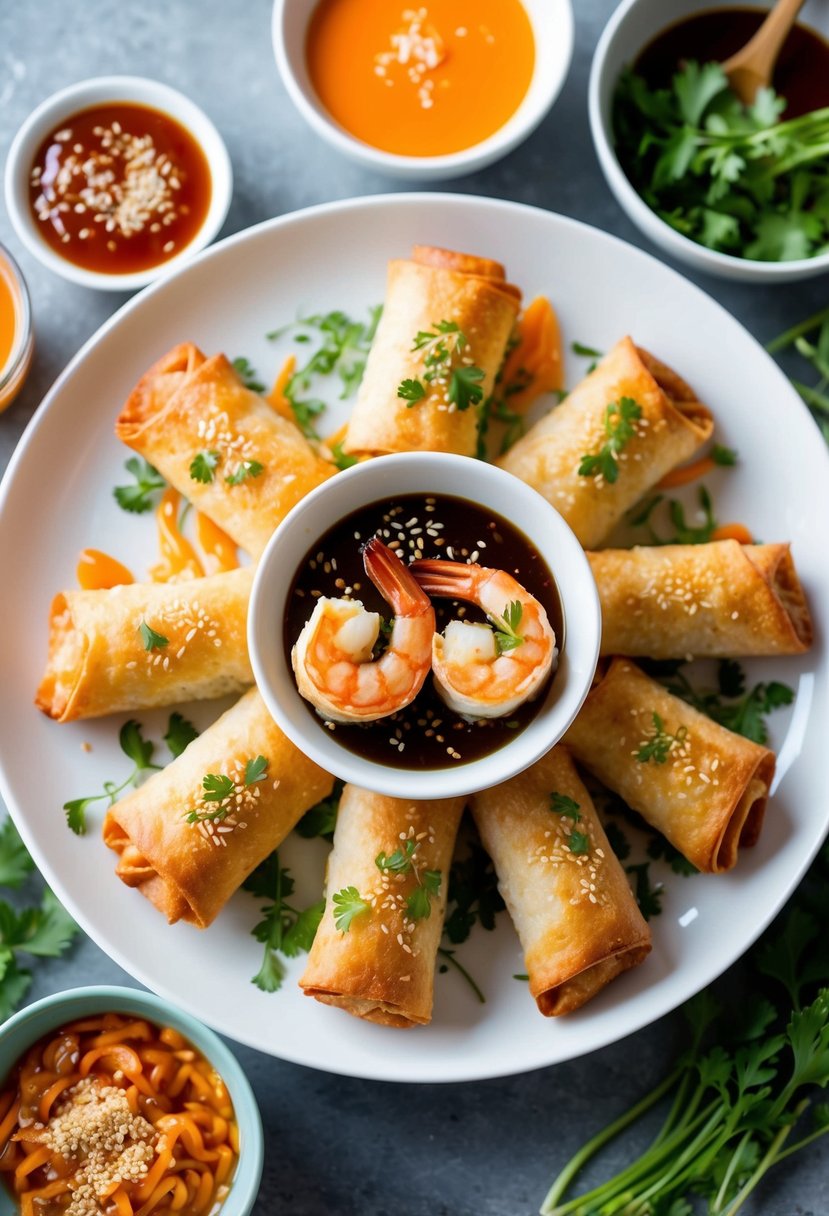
(391, 1074)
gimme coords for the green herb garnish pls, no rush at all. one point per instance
(731, 704)
(560, 804)
(683, 533)
(248, 468)
(810, 340)
(506, 627)
(348, 903)
(283, 929)
(619, 419)
(151, 639)
(400, 861)
(321, 819)
(247, 375)
(139, 498)
(442, 346)
(136, 748)
(219, 788)
(473, 895)
(203, 466)
(660, 743)
(419, 902)
(44, 930)
(342, 459)
(731, 177)
(726, 457)
(180, 733)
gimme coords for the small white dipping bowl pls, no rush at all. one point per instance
(386, 478)
(633, 25)
(83, 96)
(552, 24)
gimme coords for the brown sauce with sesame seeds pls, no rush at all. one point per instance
(431, 526)
(119, 188)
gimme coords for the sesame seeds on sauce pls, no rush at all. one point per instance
(427, 734)
(119, 188)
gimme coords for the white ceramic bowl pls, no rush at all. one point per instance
(552, 23)
(82, 96)
(633, 25)
(430, 473)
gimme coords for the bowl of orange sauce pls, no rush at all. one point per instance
(423, 91)
(113, 1100)
(16, 337)
(115, 181)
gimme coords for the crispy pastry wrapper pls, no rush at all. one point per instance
(672, 426)
(383, 968)
(709, 794)
(575, 915)
(190, 870)
(720, 599)
(433, 285)
(98, 662)
(187, 404)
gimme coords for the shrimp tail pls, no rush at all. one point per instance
(393, 580)
(452, 579)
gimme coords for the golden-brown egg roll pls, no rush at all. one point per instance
(432, 286)
(672, 426)
(383, 967)
(100, 662)
(187, 405)
(717, 600)
(189, 870)
(567, 894)
(704, 787)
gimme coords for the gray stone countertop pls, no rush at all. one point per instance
(336, 1145)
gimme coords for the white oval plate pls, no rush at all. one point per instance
(57, 498)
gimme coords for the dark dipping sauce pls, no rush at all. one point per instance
(801, 74)
(426, 734)
(119, 188)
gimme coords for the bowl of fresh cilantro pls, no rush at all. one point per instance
(739, 191)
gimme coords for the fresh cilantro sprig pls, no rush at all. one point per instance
(683, 532)
(180, 734)
(578, 842)
(442, 348)
(247, 468)
(203, 466)
(15, 863)
(506, 634)
(283, 929)
(400, 861)
(619, 428)
(136, 748)
(660, 743)
(151, 639)
(44, 930)
(248, 375)
(219, 788)
(343, 350)
(139, 497)
(731, 703)
(742, 1094)
(473, 895)
(348, 903)
(810, 341)
(321, 819)
(404, 861)
(734, 178)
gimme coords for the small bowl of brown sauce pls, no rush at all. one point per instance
(732, 189)
(115, 181)
(424, 624)
(114, 1101)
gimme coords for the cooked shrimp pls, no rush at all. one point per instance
(487, 671)
(332, 658)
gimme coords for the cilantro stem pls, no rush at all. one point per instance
(797, 331)
(768, 1160)
(577, 1163)
(449, 955)
(811, 396)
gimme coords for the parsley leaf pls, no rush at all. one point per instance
(411, 391)
(203, 465)
(136, 748)
(348, 903)
(578, 843)
(506, 627)
(15, 863)
(256, 770)
(684, 533)
(740, 711)
(139, 497)
(561, 804)
(151, 639)
(465, 387)
(419, 902)
(660, 743)
(321, 819)
(298, 938)
(217, 787)
(342, 459)
(400, 861)
(180, 733)
(247, 375)
(619, 419)
(248, 468)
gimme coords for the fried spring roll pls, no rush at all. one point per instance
(720, 599)
(187, 405)
(704, 787)
(100, 662)
(383, 967)
(433, 286)
(671, 427)
(567, 894)
(189, 870)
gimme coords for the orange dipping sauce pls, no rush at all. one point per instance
(424, 81)
(119, 188)
(15, 331)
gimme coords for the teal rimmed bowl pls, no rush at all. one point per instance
(41, 1017)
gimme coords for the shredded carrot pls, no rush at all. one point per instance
(45, 1104)
(123, 1207)
(31, 1162)
(738, 532)
(178, 557)
(10, 1120)
(686, 473)
(135, 1030)
(220, 551)
(276, 397)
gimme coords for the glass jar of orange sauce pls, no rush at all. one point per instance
(16, 338)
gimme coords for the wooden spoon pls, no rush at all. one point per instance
(752, 67)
